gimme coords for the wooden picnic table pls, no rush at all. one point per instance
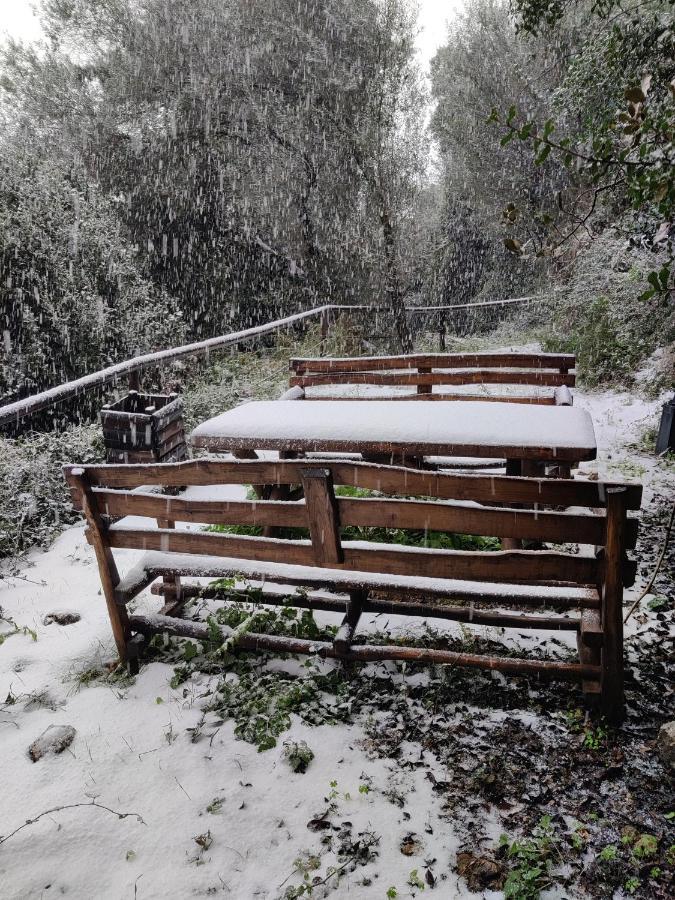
(404, 432)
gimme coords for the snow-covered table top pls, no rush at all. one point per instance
(446, 428)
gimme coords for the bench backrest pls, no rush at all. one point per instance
(467, 504)
(425, 371)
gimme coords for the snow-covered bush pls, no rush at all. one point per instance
(600, 316)
(34, 498)
(73, 297)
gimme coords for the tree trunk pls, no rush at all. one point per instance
(393, 286)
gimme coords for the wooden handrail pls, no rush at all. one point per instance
(20, 409)
(13, 413)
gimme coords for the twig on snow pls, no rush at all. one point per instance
(55, 809)
(651, 581)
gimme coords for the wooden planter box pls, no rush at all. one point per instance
(141, 428)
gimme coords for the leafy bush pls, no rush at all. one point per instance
(601, 318)
(34, 498)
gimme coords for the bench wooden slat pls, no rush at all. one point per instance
(512, 567)
(378, 584)
(388, 479)
(544, 400)
(419, 515)
(470, 376)
(435, 360)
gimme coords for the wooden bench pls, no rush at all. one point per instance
(424, 371)
(511, 589)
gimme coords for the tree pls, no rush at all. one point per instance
(613, 125)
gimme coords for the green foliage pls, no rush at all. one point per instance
(530, 860)
(14, 629)
(608, 853)
(73, 297)
(298, 755)
(645, 847)
(35, 501)
(415, 881)
(615, 111)
(609, 336)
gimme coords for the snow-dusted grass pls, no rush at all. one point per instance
(219, 818)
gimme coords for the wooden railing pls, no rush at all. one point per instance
(14, 413)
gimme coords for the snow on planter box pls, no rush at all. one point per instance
(141, 428)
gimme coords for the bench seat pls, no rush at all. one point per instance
(155, 563)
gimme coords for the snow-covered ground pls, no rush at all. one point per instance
(134, 753)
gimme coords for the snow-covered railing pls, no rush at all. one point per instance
(13, 413)
(21, 409)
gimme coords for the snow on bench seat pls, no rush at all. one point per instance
(156, 562)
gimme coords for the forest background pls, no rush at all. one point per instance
(176, 169)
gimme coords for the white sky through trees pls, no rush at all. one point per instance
(17, 19)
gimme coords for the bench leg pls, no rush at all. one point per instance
(134, 648)
(590, 655)
(612, 698)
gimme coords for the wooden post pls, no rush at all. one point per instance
(106, 565)
(345, 634)
(135, 375)
(325, 325)
(513, 467)
(323, 516)
(612, 699)
(174, 600)
(423, 388)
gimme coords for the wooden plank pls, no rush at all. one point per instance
(346, 581)
(116, 504)
(452, 518)
(517, 567)
(612, 699)
(385, 479)
(589, 644)
(591, 628)
(366, 652)
(557, 527)
(475, 398)
(470, 376)
(434, 361)
(322, 515)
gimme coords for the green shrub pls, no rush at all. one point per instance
(34, 498)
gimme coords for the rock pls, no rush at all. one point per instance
(61, 618)
(665, 744)
(54, 740)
